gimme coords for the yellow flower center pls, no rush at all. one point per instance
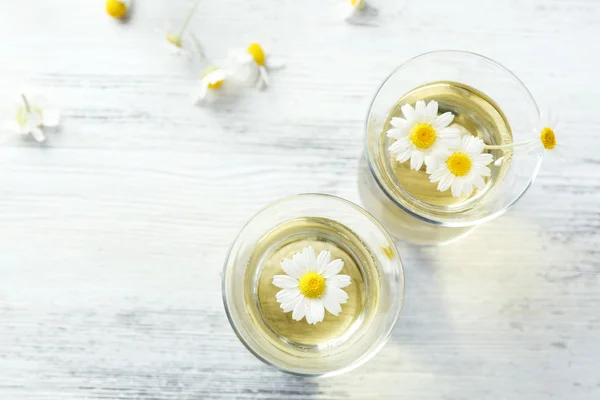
(356, 3)
(174, 39)
(115, 8)
(548, 138)
(423, 136)
(312, 285)
(213, 85)
(459, 164)
(22, 117)
(257, 52)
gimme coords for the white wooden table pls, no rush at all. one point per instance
(112, 237)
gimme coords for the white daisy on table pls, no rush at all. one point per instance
(212, 81)
(311, 286)
(463, 168)
(31, 116)
(251, 65)
(544, 140)
(175, 38)
(422, 134)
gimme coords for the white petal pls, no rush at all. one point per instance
(483, 159)
(201, 94)
(476, 146)
(483, 171)
(286, 295)
(442, 121)
(300, 262)
(432, 163)
(400, 146)
(438, 173)
(416, 160)
(450, 135)
(408, 112)
(310, 259)
(323, 260)
(284, 281)
(316, 311)
(400, 123)
(51, 117)
(404, 156)
(333, 268)
(263, 82)
(338, 295)
(467, 188)
(478, 182)
(420, 108)
(300, 309)
(330, 303)
(446, 182)
(395, 133)
(38, 135)
(456, 188)
(432, 109)
(338, 281)
(292, 268)
(290, 305)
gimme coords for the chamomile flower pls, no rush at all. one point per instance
(212, 81)
(251, 65)
(544, 140)
(463, 168)
(31, 116)
(175, 38)
(422, 134)
(117, 8)
(311, 286)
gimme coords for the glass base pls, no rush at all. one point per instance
(399, 223)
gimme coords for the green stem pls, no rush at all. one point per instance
(507, 146)
(27, 106)
(188, 18)
(198, 46)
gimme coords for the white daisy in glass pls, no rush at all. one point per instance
(212, 81)
(31, 116)
(463, 168)
(422, 134)
(311, 286)
(544, 140)
(251, 65)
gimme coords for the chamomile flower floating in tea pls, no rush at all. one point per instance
(211, 82)
(31, 116)
(463, 168)
(117, 8)
(422, 134)
(311, 286)
(251, 65)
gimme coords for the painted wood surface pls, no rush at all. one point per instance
(112, 237)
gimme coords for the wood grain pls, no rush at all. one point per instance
(112, 237)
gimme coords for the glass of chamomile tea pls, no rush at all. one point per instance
(313, 285)
(438, 159)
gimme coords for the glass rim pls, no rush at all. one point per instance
(454, 224)
(364, 357)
